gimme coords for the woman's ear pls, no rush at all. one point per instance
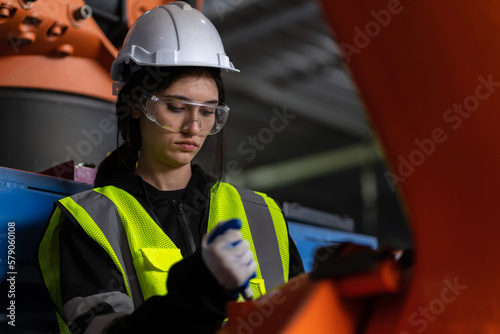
(135, 112)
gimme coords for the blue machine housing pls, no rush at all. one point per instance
(26, 202)
(27, 199)
(311, 229)
(309, 238)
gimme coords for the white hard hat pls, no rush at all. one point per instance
(171, 35)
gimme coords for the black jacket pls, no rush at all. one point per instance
(195, 303)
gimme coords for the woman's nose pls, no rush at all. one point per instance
(193, 126)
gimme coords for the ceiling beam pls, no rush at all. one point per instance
(344, 117)
(263, 27)
(219, 9)
(268, 177)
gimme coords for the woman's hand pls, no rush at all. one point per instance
(229, 259)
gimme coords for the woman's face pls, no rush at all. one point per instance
(176, 149)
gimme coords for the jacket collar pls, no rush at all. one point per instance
(198, 188)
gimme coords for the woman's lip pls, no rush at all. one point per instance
(187, 146)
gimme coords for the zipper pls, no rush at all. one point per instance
(185, 229)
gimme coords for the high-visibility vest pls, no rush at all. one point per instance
(140, 249)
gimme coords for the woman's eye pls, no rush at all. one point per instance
(175, 107)
(207, 112)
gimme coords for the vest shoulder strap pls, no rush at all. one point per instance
(100, 219)
(263, 225)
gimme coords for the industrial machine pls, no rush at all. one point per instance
(429, 75)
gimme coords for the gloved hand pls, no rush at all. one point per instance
(229, 258)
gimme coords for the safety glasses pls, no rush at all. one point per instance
(178, 115)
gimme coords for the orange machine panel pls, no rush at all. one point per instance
(429, 74)
(54, 45)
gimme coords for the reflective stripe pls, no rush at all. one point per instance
(77, 306)
(105, 215)
(48, 259)
(264, 237)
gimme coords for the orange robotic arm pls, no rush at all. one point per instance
(57, 45)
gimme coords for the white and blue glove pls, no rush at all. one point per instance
(229, 258)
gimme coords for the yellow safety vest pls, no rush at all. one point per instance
(120, 221)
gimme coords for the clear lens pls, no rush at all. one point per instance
(175, 114)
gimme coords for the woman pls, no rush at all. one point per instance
(132, 255)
